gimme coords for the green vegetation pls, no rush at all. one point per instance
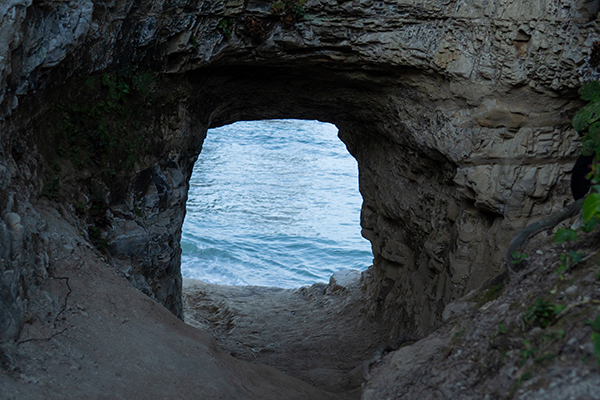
(563, 235)
(545, 324)
(525, 377)
(226, 26)
(528, 351)
(567, 260)
(99, 125)
(501, 328)
(541, 313)
(587, 123)
(288, 11)
(518, 258)
(492, 293)
(595, 336)
(195, 43)
(104, 127)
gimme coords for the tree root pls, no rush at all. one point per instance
(522, 237)
(549, 222)
(570, 307)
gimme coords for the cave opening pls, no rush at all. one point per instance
(273, 203)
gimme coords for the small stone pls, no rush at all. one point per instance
(536, 330)
(455, 309)
(587, 348)
(571, 290)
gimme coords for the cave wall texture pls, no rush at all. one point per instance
(458, 112)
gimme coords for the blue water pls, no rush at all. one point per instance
(273, 203)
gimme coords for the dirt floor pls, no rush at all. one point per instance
(316, 333)
(93, 336)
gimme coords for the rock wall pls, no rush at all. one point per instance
(457, 112)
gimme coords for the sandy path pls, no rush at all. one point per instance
(316, 333)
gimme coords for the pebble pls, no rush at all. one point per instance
(571, 290)
(573, 341)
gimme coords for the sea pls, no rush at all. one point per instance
(273, 203)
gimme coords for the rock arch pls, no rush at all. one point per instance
(458, 115)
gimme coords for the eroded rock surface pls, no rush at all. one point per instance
(496, 344)
(457, 112)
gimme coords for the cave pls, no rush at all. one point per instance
(461, 137)
(225, 95)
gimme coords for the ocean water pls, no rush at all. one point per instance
(273, 203)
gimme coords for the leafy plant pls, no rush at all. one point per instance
(595, 336)
(559, 334)
(80, 208)
(587, 123)
(277, 7)
(143, 81)
(501, 328)
(525, 377)
(226, 27)
(567, 260)
(118, 88)
(95, 235)
(298, 9)
(195, 43)
(288, 11)
(518, 258)
(528, 351)
(563, 235)
(589, 225)
(591, 205)
(541, 313)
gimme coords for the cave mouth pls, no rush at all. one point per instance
(273, 203)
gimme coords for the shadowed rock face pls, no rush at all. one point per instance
(457, 112)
